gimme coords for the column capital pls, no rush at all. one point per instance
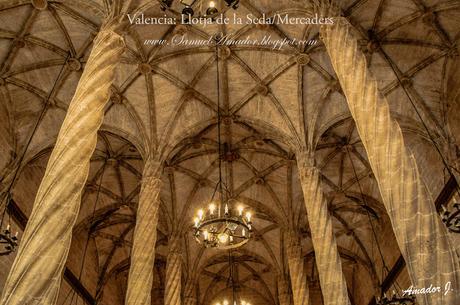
(116, 22)
(175, 250)
(292, 237)
(306, 166)
(152, 169)
(109, 33)
(305, 158)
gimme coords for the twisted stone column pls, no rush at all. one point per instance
(173, 274)
(299, 285)
(190, 293)
(35, 276)
(421, 235)
(284, 297)
(332, 280)
(140, 278)
(190, 300)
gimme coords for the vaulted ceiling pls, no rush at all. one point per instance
(165, 99)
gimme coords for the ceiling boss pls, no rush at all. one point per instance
(200, 8)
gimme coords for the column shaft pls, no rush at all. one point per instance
(189, 300)
(284, 297)
(332, 280)
(173, 275)
(299, 284)
(190, 293)
(419, 231)
(140, 278)
(36, 273)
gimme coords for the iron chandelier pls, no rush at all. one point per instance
(452, 219)
(396, 300)
(222, 229)
(201, 8)
(235, 298)
(8, 240)
(225, 223)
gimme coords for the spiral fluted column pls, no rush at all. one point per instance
(284, 298)
(173, 274)
(190, 300)
(328, 262)
(190, 293)
(297, 272)
(35, 276)
(140, 278)
(422, 237)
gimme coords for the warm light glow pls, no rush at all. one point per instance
(243, 232)
(223, 238)
(212, 4)
(226, 302)
(205, 234)
(212, 208)
(200, 214)
(197, 222)
(240, 210)
(248, 216)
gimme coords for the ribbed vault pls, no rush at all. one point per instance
(273, 102)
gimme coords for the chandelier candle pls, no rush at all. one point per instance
(232, 230)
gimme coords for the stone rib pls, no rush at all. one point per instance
(284, 297)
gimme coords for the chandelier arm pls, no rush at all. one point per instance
(214, 192)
